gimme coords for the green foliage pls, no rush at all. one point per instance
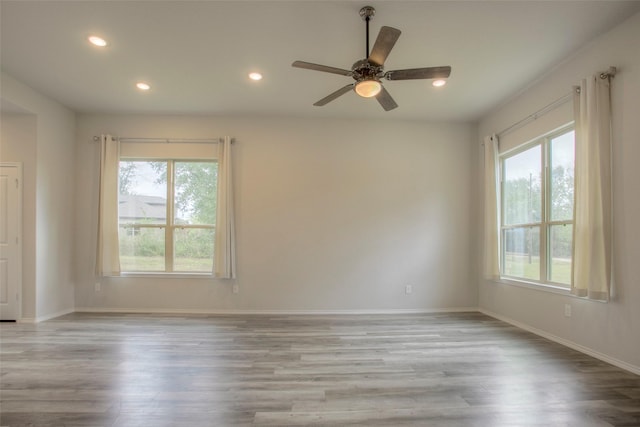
(196, 184)
(126, 175)
(561, 241)
(522, 200)
(523, 197)
(562, 188)
(143, 242)
(193, 243)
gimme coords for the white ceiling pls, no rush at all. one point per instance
(197, 54)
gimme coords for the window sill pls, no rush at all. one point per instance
(533, 285)
(151, 275)
(541, 287)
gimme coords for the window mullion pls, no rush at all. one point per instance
(546, 211)
(524, 225)
(560, 222)
(169, 231)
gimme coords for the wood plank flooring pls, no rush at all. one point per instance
(463, 369)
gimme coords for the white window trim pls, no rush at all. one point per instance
(140, 154)
(545, 285)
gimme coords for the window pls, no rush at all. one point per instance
(537, 183)
(167, 215)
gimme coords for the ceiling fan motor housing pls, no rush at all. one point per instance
(364, 70)
(367, 12)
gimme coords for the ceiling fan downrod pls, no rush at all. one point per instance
(367, 13)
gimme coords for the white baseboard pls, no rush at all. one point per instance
(46, 317)
(271, 312)
(567, 343)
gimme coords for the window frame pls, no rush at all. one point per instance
(546, 223)
(169, 226)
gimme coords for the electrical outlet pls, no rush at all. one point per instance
(97, 287)
(408, 289)
(235, 289)
(567, 310)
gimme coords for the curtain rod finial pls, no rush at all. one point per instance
(611, 72)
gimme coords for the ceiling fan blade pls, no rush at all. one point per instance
(334, 95)
(386, 100)
(318, 67)
(419, 73)
(387, 37)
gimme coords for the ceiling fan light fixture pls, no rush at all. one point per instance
(439, 82)
(368, 88)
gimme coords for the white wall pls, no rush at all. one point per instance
(54, 202)
(610, 330)
(331, 215)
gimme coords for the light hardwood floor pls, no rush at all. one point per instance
(463, 369)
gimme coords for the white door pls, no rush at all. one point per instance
(10, 244)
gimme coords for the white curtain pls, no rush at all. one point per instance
(491, 209)
(592, 228)
(108, 253)
(225, 244)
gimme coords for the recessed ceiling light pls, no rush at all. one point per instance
(97, 41)
(143, 86)
(439, 82)
(255, 76)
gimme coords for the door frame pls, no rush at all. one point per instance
(18, 167)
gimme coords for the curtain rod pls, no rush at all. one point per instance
(610, 73)
(166, 140)
(531, 117)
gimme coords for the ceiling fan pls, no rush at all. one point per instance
(368, 72)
